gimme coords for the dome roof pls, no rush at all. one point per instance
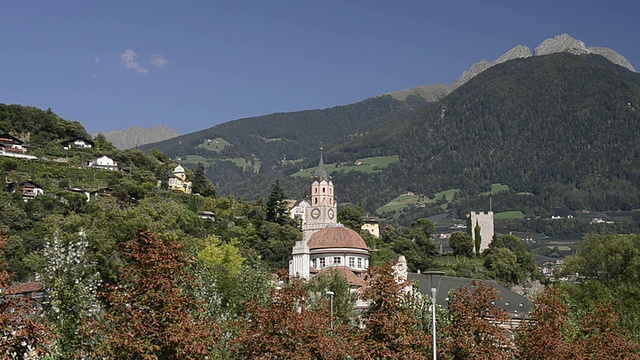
(337, 237)
(178, 169)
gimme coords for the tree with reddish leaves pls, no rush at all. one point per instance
(21, 336)
(391, 330)
(602, 337)
(545, 335)
(151, 313)
(289, 328)
(474, 329)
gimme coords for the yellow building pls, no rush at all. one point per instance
(178, 180)
(371, 225)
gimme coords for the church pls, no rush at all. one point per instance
(327, 245)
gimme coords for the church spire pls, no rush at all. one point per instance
(321, 171)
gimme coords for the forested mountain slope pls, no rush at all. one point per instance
(561, 126)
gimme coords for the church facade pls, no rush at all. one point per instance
(327, 244)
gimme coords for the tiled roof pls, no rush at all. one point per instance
(337, 237)
(352, 277)
(514, 303)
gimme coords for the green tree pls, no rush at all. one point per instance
(477, 237)
(277, 210)
(461, 243)
(343, 299)
(201, 184)
(351, 217)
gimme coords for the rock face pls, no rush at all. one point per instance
(560, 43)
(431, 93)
(517, 52)
(474, 70)
(137, 136)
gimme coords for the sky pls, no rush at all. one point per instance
(191, 65)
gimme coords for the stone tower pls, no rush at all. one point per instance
(485, 221)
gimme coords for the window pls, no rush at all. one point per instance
(313, 262)
(359, 263)
(337, 260)
(321, 263)
(352, 262)
(324, 190)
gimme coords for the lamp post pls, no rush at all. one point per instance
(434, 290)
(330, 293)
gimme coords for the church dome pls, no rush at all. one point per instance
(337, 237)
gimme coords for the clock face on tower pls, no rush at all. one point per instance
(330, 214)
(315, 213)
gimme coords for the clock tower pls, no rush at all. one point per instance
(323, 210)
(322, 213)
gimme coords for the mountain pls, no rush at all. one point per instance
(137, 136)
(557, 128)
(560, 44)
(562, 127)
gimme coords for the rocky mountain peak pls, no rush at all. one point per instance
(561, 43)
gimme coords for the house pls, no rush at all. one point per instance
(371, 225)
(32, 291)
(103, 162)
(206, 215)
(78, 143)
(517, 306)
(12, 144)
(14, 147)
(79, 191)
(297, 209)
(178, 180)
(106, 191)
(29, 189)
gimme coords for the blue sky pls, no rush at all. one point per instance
(193, 64)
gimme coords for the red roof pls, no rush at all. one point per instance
(352, 277)
(337, 237)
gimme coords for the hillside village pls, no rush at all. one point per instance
(94, 201)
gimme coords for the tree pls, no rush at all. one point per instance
(154, 304)
(351, 217)
(390, 328)
(71, 282)
(546, 335)
(477, 237)
(20, 335)
(344, 299)
(613, 261)
(289, 328)
(201, 184)
(503, 263)
(461, 243)
(473, 330)
(277, 210)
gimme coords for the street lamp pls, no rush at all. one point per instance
(434, 289)
(330, 293)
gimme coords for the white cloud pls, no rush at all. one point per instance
(130, 63)
(159, 61)
(96, 60)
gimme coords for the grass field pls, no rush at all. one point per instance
(495, 188)
(366, 165)
(195, 159)
(217, 144)
(508, 215)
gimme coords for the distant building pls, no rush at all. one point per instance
(178, 180)
(485, 221)
(297, 209)
(78, 143)
(327, 245)
(371, 225)
(29, 189)
(103, 162)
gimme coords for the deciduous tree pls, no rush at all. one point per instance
(151, 311)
